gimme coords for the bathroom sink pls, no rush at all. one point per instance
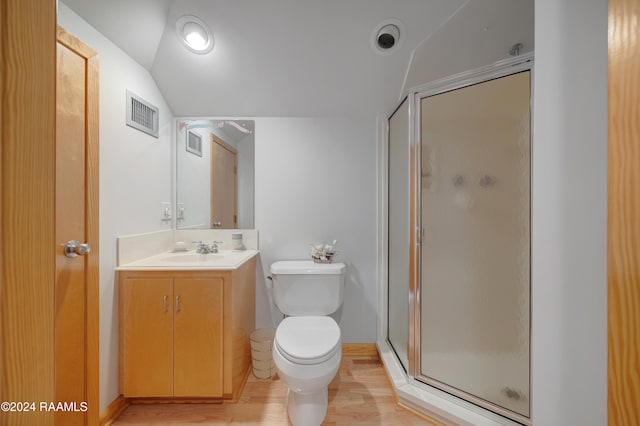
(225, 259)
(193, 257)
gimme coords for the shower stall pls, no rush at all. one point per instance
(458, 241)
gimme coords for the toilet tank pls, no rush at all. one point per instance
(302, 287)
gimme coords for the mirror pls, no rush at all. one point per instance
(214, 173)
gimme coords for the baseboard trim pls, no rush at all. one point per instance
(359, 349)
(236, 395)
(148, 400)
(113, 410)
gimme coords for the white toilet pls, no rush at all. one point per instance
(307, 346)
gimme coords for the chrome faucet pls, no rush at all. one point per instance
(203, 248)
(214, 246)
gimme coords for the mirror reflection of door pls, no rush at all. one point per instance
(224, 184)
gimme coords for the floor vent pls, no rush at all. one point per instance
(141, 114)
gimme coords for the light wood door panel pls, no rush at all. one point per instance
(76, 218)
(224, 184)
(148, 337)
(27, 164)
(623, 214)
(198, 362)
(70, 285)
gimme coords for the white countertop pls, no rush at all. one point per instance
(191, 261)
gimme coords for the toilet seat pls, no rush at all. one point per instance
(308, 339)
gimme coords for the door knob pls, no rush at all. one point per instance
(75, 249)
(217, 224)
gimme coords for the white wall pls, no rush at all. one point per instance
(480, 33)
(135, 177)
(569, 331)
(316, 182)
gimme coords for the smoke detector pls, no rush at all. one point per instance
(387, 36)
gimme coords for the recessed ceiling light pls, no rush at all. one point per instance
(194, 34)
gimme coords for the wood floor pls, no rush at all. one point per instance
(359, 395)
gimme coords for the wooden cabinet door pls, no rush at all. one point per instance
(198, 359)
(148, 337)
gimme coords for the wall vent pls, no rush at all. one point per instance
(141, 114)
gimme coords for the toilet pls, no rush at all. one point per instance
(307, 346)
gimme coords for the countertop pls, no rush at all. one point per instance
(191, 261)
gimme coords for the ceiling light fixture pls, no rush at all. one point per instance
(387, 36)
(194, 34)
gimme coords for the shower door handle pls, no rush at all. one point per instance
(419, 236)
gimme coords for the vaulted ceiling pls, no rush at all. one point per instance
(276, 57)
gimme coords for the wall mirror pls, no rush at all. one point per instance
(214, 173)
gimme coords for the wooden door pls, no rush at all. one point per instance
(224, 184)
(76, 218)
(147, 327)
(198, 362)
(27, 164)
(623, 214)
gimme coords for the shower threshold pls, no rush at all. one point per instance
(434, 403)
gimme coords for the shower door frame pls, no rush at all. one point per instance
(497, 70)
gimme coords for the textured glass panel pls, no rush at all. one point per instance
(398, 296)
(475, 261)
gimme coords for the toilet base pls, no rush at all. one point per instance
(307, 409)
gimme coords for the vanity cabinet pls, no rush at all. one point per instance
(185, 334)
(173, 336)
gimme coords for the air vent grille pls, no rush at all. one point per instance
(141, 114)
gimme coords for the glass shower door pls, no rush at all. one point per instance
(398, 219)
(475, 257)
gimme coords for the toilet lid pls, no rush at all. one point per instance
(308, 340)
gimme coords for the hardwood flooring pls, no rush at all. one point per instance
(360, 394)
